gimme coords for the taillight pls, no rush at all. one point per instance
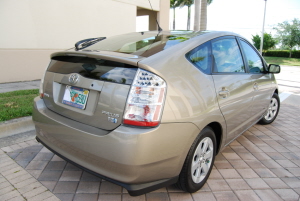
(41, 88)
(145, 100)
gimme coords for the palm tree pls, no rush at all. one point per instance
(201, 16)
(174, 4)
(187, 3)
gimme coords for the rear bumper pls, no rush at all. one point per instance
(140, 160)
(133, 189)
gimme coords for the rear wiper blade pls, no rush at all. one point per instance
(87, 42)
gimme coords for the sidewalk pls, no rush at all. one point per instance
(18, 184)
(15, 182)
(13, 86)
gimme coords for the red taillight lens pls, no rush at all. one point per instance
(140, 123)
(145, 100)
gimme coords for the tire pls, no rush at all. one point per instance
(197, 167)
(272, 110)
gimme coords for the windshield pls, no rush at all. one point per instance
(144, 43)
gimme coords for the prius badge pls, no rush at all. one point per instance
(74, 78)
(112, 117)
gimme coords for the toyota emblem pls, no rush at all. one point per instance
(74, 78)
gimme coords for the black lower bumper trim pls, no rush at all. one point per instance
(133, 189)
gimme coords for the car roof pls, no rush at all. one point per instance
(146, 44)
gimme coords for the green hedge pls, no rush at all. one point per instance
(282, 53)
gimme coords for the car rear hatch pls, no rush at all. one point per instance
(90, 88)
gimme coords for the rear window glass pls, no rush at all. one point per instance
(143, 44)
(98, 69)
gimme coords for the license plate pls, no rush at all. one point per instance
(75, 97)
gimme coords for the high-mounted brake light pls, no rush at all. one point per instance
(145, 101)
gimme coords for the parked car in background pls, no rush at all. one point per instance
(150, 109)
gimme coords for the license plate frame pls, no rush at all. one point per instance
(75, 97)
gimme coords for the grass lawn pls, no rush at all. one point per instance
(17, 104)
(283, 61)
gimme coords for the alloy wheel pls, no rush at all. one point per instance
(272, 110)
(202, 160)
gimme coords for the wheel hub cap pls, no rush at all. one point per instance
(202, 160)
(272, 110)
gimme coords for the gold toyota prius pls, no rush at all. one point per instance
(150, 109)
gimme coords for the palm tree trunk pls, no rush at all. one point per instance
(174, 19)
(203, 18)
(197, 16)
(189, 18)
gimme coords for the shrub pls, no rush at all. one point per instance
(282, 53)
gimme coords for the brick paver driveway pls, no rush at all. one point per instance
(262, 164)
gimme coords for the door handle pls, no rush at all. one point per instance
(255, 86)
(224, 93)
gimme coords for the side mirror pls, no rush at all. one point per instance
(274, 68)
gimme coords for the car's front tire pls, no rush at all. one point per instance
(199, 162)
(272, 110)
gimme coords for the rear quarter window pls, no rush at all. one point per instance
(200, 57)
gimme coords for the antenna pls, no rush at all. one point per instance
(159, 28)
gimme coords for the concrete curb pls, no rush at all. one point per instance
(290, 98)
(16, 126)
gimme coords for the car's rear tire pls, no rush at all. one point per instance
(272, 110)
(199, 162)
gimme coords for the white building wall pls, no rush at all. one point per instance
(33, 29)
(58, 24)
(145, 3)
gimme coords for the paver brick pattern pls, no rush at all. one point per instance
(261, 164)
(17, 184)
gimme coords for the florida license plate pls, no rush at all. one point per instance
(75, 97)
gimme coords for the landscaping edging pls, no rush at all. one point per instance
(16, 126)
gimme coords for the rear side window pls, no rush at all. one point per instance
(98, 69)
(200, 57)
(227, 56)
(254, 61)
